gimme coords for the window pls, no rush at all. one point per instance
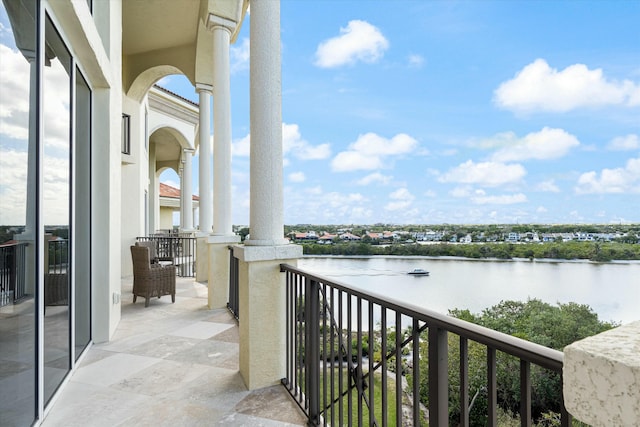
(126, 134)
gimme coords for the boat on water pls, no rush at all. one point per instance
(418, 272)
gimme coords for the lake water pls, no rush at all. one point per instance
(611, 289)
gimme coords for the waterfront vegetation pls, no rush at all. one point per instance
(595, 242)
(554, 326)
(594, 251)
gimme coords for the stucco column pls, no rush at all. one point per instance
(261, 285)
(186, 215)
(223, 234)
(183, 202)
(266, 220)
(222, 224)
(206, 204)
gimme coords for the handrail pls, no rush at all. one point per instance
(527, 350)
(315, 326)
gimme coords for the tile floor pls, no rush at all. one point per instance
(169, 365)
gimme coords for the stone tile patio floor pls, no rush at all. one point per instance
(169, 365)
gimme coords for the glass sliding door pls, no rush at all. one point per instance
(56, 217)
(18, 192)
(82, 209)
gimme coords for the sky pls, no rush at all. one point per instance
(431, 112)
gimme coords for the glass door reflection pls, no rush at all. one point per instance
(56, 188)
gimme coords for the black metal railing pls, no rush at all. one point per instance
(12, 272)
(177, 248)
(348, 358)
(234, 284)
(56, 277)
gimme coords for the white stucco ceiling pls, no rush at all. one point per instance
(150, 25)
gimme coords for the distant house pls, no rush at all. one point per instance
(513, 237)
(349, 237)
(327, 238)
(170, 203)
(373, 236)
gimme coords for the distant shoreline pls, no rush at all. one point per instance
(458, 258)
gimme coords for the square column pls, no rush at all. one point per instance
(262, 301)
(601, 377)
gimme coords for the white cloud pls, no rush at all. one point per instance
(242, 147)
(548, 186)
(464, 191)
(548, 143)
(619, 180)
(372, 151)
(239, 56)
(292, 143)
(541, 209)
(297, 177)
(538, 87)
(505, 199)
(401, 199)
(359, 41)
(415, 60)
(14, 101)
(624, 143)
(313, 205)
(484, 173)
(375, 177)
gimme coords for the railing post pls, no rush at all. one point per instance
(438, 378)
(312, 350)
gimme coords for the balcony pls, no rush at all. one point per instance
(169, 364)
(178, 364)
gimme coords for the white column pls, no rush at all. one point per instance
(222, 224)
(266, 204)
(206, 204)
(187, 178)
(183, 203)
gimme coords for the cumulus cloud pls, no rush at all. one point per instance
(505, 199)
(620, 180)
(359, 41)
(548, 143)
(375, 177)
(415, 60)
(292, 143)
(297, 177)
(484, 173)
(538, 87)
(313, 205)
(14, 102)
(401, 199)
(548, 186)
(624, 143)
(239, 56)
(371, 151)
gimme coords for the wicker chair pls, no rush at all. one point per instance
(151, 280)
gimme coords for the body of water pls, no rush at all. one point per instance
(611, 289)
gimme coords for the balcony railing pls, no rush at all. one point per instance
(337, 379)
(178, 248)
(234, 284)
(12, 273)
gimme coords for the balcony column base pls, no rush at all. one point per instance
(262, 312)
(218, 269)
(601, 376)
(202, 256)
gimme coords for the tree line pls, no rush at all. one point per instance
(594, 251)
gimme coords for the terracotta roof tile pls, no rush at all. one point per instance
(172, 192)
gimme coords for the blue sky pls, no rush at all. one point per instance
(434, 112)
(451, 112)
